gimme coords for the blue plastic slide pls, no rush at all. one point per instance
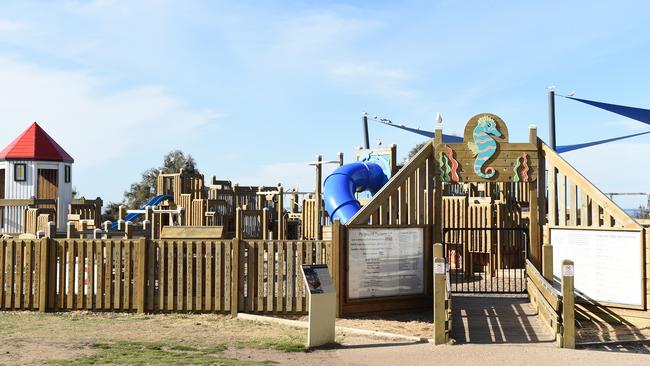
(152, 202)
(340, 186)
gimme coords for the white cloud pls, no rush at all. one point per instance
(93, 125)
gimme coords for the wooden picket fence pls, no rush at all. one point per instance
(216, 276)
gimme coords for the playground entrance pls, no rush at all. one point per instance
(486, 260)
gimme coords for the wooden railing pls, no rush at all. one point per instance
(407, 198)
(223, 276)
(574, 201)
(556, 308)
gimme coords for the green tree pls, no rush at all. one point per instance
(415, 150)
(140, 192)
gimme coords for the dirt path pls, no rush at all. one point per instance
(82, 338)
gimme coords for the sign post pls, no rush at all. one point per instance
(322, 304)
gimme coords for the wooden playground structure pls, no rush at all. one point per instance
(220, 247)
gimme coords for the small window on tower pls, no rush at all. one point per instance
(20, 174)
(68, 174)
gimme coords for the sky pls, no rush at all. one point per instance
(255, 90)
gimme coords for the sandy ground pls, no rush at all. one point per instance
(33, 338)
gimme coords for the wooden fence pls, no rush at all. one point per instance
(218, 276)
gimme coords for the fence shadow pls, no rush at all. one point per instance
(502, 320)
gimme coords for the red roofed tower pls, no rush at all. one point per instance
(34, 166)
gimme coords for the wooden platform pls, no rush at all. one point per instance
(497, 320)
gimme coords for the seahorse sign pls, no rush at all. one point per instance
(484, 145)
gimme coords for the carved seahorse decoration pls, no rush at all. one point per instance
(484, 145)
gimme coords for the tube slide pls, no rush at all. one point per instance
(340, 186)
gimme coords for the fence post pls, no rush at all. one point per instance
(43, 275)
(440, 332)
(238, 221)
(437, 251)
(265, 223)
(234, 287)
(121, 212)
(71, 230)
(50, 232)
(547, 262)
(568, 305)
(128, 230)
(142, 275)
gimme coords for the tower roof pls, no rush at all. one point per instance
(35, 144)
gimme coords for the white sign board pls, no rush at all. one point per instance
(607, 263)
(385, 262)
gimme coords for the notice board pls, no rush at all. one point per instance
(608, 263)
(385, 262)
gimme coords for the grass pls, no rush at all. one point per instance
(138, 353)
(284, 343)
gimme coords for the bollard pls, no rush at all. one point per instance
(438, 251)
(439, 290)
(568, 306)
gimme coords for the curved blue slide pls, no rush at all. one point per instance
(152, 202)
(340, 186)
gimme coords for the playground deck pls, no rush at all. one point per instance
(498, 320)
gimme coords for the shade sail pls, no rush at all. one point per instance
(639, 114)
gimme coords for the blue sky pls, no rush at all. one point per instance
(254, 90)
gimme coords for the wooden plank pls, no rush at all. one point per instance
(403, 215)
(190, 276)
(118, 267)
(80, 272)
(220, 258)
(18, 268)
(9, 270)
(70, 247)
(573, 204)
(161, 262)
(90, 286)
(291, 281)
(108, 276)
(180, 279)
(260, 275)
(3, 287)
(43, 280)
(250, 275)
(241, 260)
(140, 275)
(151, 275)
(300, 260)
(595, 214)
(270, 275)
(28, 261)
(561, 199)
(279, 306)
(128, 268)
(552, 195)
(584, 209)
(199, 276)
(99, 262)
(550, 294)
(229, 273)
(171, 275)
(209, 275)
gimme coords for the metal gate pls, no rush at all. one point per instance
(486, 260)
